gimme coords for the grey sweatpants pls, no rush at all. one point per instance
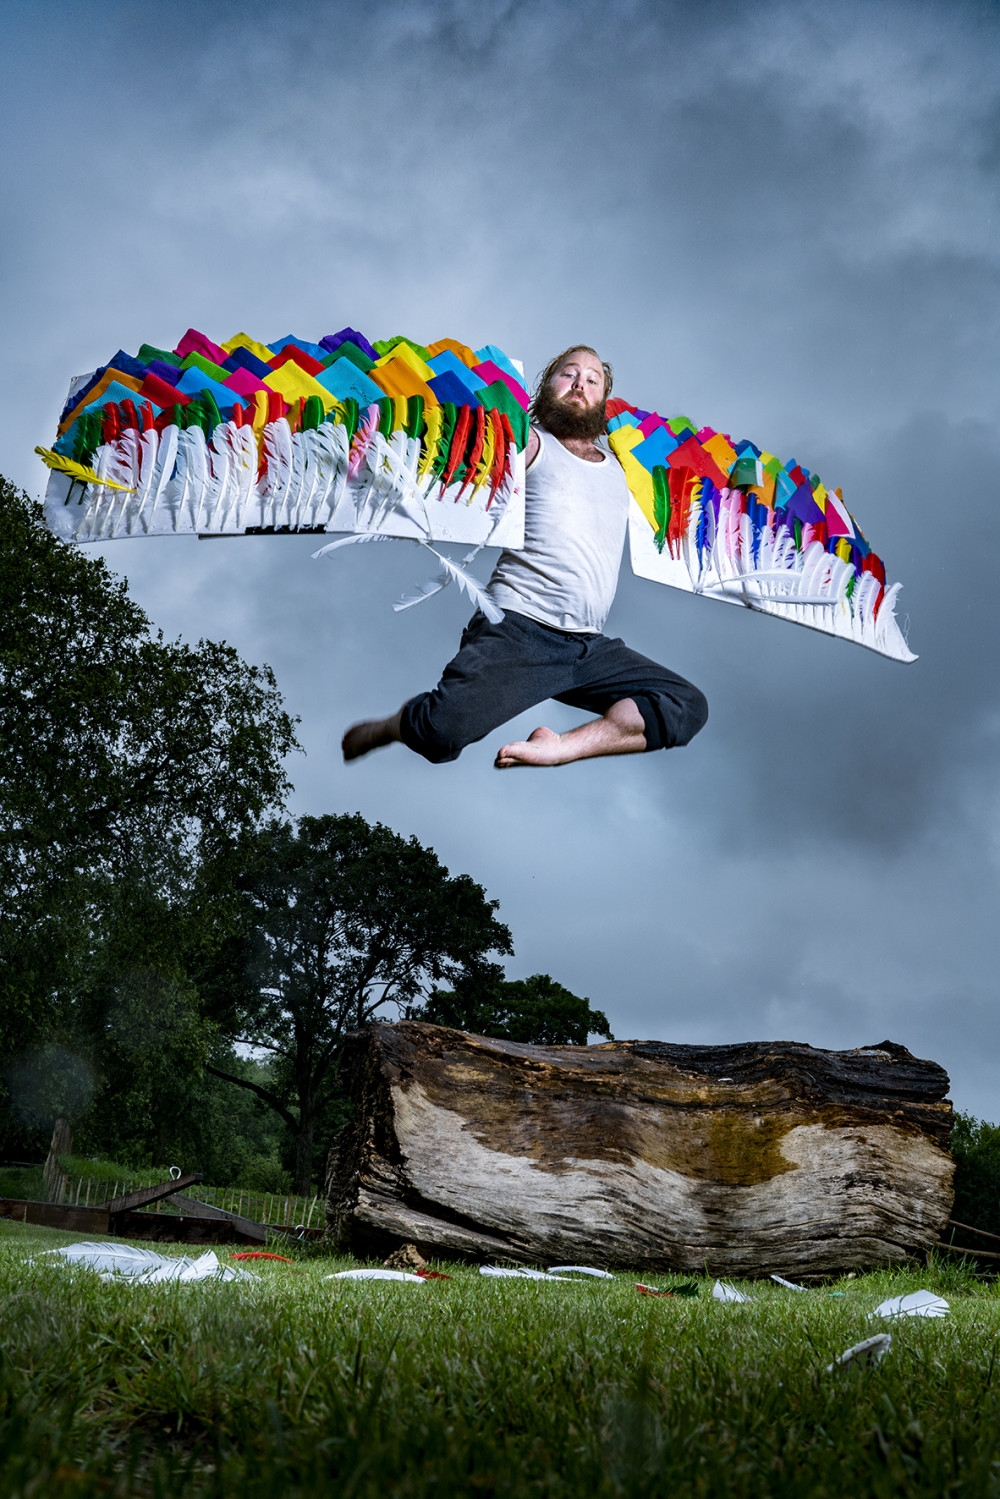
(502, 669)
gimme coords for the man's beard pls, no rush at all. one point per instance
(568, 418)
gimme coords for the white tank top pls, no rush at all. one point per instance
(575, 518)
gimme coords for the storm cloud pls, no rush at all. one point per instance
(778, 218)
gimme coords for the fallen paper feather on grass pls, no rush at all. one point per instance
(723, 1291)
(917, 1304)
(867, 1352)
(788, 1284)
(501, 1272)
(118, 1261)
(580, 1270)
(412, 1277)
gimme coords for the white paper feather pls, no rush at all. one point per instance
(917, 1304)
(788, 1284)
(723, 1291)
(580, 1270)
(377, 1275)
(113, 1261)
(502, 1272)
(452, 572)
(867, 1352)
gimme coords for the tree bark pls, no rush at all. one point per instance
(742, 1160)
(52, 1173)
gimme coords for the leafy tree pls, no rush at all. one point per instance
(111, 741)
(975, 1145)
(129, 770)
(537, 1009)
(341, 920)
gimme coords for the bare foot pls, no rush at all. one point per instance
(543, 747)
(372, 734)
(621, 731)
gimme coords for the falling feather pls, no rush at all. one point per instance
(452, 572)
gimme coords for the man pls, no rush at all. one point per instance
(555, 594)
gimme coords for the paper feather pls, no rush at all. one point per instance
(406, 1275)
(580, 1270)
(451, 572)
(76, 470)
(917, 1304)
(867, 1352)
(502, 1272)
(723, 1291)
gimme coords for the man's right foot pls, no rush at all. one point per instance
(372, 734)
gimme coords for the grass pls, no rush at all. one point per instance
(295, 1385)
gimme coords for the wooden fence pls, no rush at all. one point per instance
(283, 1210)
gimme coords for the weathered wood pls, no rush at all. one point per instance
(968, 1228)
(53, 1175)
(165, 1228)
(747, 1159)
(193, 1208)
(143, 1196)
(73, 1220)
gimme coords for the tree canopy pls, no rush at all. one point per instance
(537, 1010)
(130, 768)
(341, 919)
(109, 736)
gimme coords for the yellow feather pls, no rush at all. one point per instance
(485, 464)
(78, 470)
(433, 417)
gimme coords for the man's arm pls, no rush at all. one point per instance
(531, 451)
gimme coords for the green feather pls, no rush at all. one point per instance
(661, 505)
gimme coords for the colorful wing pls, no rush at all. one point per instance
(731, 521)
(240, 438)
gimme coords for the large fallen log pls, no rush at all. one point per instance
(742, 1160)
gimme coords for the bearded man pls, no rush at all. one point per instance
(555, 593)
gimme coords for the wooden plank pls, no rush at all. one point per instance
(258, 1232)
(979, 1254)
(73, 1220)
(968, 1228)
(185, 1229)
(145, 1195)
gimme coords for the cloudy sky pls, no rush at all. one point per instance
(778, 218)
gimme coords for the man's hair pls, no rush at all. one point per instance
(554, 364)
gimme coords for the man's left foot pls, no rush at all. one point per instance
(543, 747)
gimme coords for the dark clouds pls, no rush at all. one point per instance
(779, 218)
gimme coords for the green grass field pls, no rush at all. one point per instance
(294, 1385)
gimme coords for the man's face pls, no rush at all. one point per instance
(579, 379)
(572, 403)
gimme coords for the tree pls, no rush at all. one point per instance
(110, 739)
(537, 1010)
(341, 919)
(130, 769)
